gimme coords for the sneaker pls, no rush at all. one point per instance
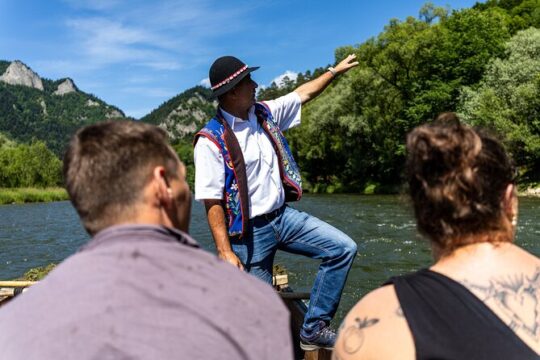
(323, 339)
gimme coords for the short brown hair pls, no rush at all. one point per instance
(457, 180)
(107, 165)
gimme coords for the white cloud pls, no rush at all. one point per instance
(105, 41)
(160, 35)
(138, 42)
(63, 68)
(163, 65)
(279, 79)
(205, 82)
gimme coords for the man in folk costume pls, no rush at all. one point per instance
(245, 174)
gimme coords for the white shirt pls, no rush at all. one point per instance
(262, 167)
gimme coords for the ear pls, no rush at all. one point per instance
(162, 187)
(510, 202)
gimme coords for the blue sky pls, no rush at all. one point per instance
(137, 54)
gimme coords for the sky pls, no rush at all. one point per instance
(137, 54)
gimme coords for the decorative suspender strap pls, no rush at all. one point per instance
(235, 199)
(239, 168)
(288, 170)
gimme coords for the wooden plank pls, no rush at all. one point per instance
(16, 283)
(321, 354)
(297, 308)
(294, 295)
(280, 280)
(7, 292)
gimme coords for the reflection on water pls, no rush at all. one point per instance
(38, 234)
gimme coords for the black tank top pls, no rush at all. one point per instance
(447, 321)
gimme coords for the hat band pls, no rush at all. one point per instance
(227, 80)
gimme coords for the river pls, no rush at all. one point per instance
(34, 235)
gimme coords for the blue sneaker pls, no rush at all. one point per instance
(325, 338)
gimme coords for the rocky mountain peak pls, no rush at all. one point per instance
(18, 73)
(65, 87)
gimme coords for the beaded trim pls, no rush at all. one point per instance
(230, 78)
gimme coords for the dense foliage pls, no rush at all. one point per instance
(352, 136)
(482, 62)
(507, 99)
(27, 113)
(3, 66)
(28, 165)
(38, 273)
(182, 116)
(161, 112)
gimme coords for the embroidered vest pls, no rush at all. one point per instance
(236, 202)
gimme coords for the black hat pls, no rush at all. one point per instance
(226, 72)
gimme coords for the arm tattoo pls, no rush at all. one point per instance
(518, 297)
(353, 336)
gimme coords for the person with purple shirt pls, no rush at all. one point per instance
(141, 288)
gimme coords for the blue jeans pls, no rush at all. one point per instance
(300, 233)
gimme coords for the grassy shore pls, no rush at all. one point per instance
(28, 195)
(38, 273)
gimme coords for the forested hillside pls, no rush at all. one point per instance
(184, 114)
(481, 62)
(32, 108)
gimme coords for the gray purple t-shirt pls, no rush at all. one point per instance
(145, 292)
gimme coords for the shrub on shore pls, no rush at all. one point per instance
(28, 195)
(38, 273)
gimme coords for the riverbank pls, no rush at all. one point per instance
(30, 195)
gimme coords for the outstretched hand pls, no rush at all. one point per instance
(313, 88)
(231, 258)
(346, 64)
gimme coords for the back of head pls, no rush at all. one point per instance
(457, 180)
(107, 166)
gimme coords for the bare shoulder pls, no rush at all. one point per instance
(372, 324)
(515, 298)
(506, 279)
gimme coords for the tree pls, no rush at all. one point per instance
(507, 100)
(31, 165)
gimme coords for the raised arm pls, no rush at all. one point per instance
(313, 88)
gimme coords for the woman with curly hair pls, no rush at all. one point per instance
(481, 297)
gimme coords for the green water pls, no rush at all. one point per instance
(37, 234)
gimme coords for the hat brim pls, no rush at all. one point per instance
(228, 86)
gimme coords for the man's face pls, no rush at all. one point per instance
(245, 92)
(180, 211)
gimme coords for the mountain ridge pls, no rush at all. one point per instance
(36, 108)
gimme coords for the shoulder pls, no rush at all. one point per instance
(209, 139)
(291, 99)
(373, 323)
(211, 128)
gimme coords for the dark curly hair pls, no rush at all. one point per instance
(457, 180)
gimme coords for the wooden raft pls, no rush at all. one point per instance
(297, 308)
(10, 289)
